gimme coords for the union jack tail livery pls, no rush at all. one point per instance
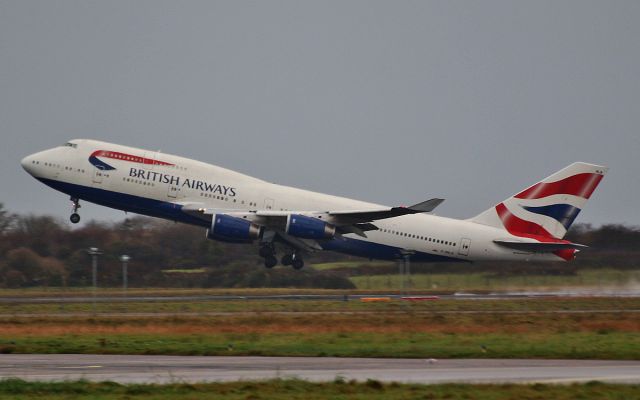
(548, 208)
(545, 211)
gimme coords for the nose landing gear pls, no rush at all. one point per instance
(75, 217)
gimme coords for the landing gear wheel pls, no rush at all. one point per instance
(75, 217)
(298, 263)
(266, 251)
(287, 259)
(270, 261)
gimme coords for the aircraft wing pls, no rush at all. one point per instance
(346, 221)
(361, 216)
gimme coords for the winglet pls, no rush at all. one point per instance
(426, 206)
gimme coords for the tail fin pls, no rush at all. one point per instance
(548, 208)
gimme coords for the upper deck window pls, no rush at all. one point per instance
(69, 144)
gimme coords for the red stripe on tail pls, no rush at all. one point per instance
(519, 227)
(581, 185)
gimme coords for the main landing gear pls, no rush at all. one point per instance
(292, 259)
(268, 252)
(75, 217)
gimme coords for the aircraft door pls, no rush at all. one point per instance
(97, 175)
(269, 203)
(150, 159)
(465, 244)
(173, 191)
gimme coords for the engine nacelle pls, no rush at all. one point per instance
(309, 228)
(232, 229)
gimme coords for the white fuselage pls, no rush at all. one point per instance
(158, 184)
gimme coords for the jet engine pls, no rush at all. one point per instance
(232, 229)
(309, 228)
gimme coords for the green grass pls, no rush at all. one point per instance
(185, 271)
(485, 281)
(575, 345)
(74, 291)
(349, 264)
(441, 329)
(396, 329)
(354, 305)
(303, 390)
(433, 283)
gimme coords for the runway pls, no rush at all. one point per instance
(64, 299)
(199, 314)
(167, 369)
(214, 298)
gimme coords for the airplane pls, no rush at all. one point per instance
(238, 208)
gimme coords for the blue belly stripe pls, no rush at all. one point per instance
(126, 202)
(379, 251)
(173, 212)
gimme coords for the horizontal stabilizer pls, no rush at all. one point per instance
(539, 247)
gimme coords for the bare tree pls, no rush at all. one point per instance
(6, 220)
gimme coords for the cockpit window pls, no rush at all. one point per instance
(69, 144)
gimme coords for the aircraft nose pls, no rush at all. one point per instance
(27, 163)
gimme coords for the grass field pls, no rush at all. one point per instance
(349, 264)
(601, 278)
(297, 389)
(483, 282)
(463, 328)
(486, 281)
(574, 345)
(575, 327)
(152, 291)
(353, 305)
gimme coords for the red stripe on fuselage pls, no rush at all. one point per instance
(127, 157)
(581, 185)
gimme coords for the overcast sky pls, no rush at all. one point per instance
(392, 102)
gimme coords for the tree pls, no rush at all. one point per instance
(6, 220)
(23, 267)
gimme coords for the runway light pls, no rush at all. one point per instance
(94, 252)
(125, 259)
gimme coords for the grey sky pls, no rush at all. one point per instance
(391, 102)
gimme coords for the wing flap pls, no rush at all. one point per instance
(361, 216)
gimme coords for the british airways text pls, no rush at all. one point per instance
(186, 182)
